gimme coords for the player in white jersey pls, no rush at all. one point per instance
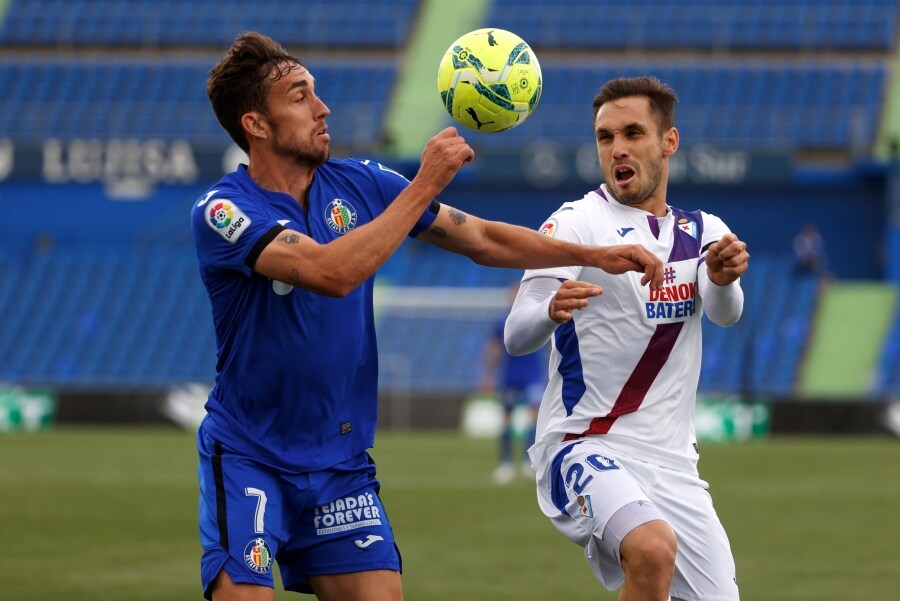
(615, 453)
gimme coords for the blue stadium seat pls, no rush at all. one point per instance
(790, 105)
(111, 98)
(126, 321)
(762, 353)
(737, 25)
(315, 23)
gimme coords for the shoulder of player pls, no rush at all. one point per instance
(589, 205)
(359, 169)
(356, 165)
(224, 190)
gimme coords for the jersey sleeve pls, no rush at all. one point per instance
(714, 229)
(391, 184)
(569, 224)
(231, 231)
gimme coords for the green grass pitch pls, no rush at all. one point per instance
(110, 514)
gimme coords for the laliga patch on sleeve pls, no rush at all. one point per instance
(549, 227)
(227, 219)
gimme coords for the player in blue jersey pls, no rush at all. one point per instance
(518, 381)
(288, 246)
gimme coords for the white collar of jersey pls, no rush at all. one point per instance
(616, 205)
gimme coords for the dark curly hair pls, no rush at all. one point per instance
(242, 79)
(662, 97)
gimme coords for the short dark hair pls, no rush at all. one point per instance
(240, 82)
(662, 97)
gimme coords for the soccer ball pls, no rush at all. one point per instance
(489, 80)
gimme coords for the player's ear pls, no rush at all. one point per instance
(670, 142)
(255, 125)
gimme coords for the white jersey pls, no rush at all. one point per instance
(627, 366)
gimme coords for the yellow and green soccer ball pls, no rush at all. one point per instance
(489, 80)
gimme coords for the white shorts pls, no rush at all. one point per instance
(582, 484)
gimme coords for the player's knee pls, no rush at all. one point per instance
(649, 549)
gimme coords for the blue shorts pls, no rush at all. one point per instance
(529, 396)
(314, 523)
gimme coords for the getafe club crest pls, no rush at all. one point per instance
(257, 556)
(340, 216)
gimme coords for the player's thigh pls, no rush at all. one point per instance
(375, 585)
(241, 516)
(588, 484)
(704, 565)
(224, 589)
(350, 534)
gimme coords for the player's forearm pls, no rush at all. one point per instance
(515, 247)
(528, 326)
(351, 259)
(722, 304)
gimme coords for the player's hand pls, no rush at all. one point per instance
(571, 296)
(631, 257)
(443, 157)
(727, 259)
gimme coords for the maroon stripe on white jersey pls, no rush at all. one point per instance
(642, 377)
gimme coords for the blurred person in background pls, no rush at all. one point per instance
(616, 453)
(287, 246)
(518, 383)
(809, 252)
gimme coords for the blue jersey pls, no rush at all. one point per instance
(296, 375)
(520, 372)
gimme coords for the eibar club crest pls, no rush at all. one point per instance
(340, 216)
(585, 509)
(687, 226)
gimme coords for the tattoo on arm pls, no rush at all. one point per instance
(457, 217)
(439, 232)
(295, 277)
(289, 238)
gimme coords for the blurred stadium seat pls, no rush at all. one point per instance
(734, 104)
(193, 23)
(140, 98)
(700, 24)
(90, 319)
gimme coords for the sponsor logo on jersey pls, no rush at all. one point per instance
(348, 513)
(624, 230)
(340, 216)
(584, 502)
(257, 556)
(687, 226)
(372, 538)
(675, 301)
(227, 219)
(549, 227)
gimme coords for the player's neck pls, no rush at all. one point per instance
(655, 206)
(282, 176)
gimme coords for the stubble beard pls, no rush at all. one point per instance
(307, 153)
(647, 185)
